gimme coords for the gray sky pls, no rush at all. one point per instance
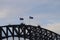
(45, 12)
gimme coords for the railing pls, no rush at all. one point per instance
(27, 32)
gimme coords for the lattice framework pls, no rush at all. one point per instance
(27, 32)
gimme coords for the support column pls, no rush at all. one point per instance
(7, 32)
(0, 33)
(19, 33)
(13, 32)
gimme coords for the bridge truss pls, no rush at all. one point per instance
(27, 32)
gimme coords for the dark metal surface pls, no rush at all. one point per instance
(27, 32)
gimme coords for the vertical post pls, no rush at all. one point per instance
(19, 33)
(24, 33)
(7, 32)
(0, 33)
(30, 33)
(13, 32)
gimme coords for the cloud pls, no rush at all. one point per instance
(55, 27)
(23, 7)
(4, 13)
(44, 12)
(40, 9)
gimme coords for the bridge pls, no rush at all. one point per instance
(27, 32)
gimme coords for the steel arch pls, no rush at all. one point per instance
(27, 32)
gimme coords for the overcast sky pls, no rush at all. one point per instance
(45, 12)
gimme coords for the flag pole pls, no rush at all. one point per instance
(30, 18)
(22, 20)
